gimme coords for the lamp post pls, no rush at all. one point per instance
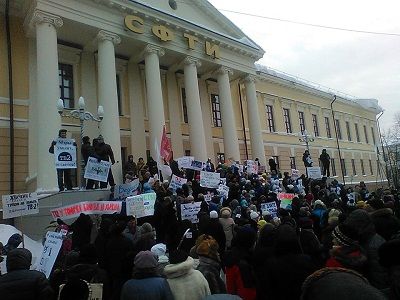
(82, 115)
(304, 137)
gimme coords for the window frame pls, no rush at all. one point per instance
(333, 167)
(185, 117)
(71, 88)
(370, 167)
(343, 166)
(338, 129)
(357, 133)
(216, 110)
(353, 167)
(366, 134)
(269, 109)
(314, 118)
(362, 167)
(302, 122)
(276, 159)
(373, 135)
(287, 120)
(328, 128)
(292, 162)
(349, 137)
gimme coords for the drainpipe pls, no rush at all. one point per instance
(337, 139)
(243, 125)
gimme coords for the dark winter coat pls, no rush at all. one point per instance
(386, 224)
(104, 152)
(152, 288)
(211, 271)
(215, 229)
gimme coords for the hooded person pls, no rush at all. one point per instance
(12, 243)
(146, 283)
(159, 250)
(20, 283)
(185, 282)
(227, 224)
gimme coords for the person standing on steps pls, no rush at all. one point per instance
(104, 152)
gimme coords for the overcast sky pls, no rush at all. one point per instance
(362, 65)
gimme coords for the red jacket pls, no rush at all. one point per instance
(234, 284)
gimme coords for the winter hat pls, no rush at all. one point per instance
(213, 214)
(19, 259)
(254, 215)
(361, 221)
(244, 203)
(208, 248)
(177, 256)
(361, 204)
(261, 224)
(345, 235)
(389, 253)
(319, 203)
(304, 211)
(146, 228)
(226, 212)
(159, 249)
(333, 217)
(145, 260)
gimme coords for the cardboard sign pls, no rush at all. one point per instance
(122, 191)
(196, 165)
(252, 167)
(189, 211)
(295, 174)
(209, 179)
(270, 207)
(314, 172)
(88, 208)
(286, 199)
(176, 182)
(223, 190)
(97, 170)
(141, 205)
(17, 205)
(65, 154)
(185, 162)
(52, 246)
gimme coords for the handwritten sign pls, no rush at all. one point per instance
(87, 207)
(52, 246)
(141, 205)
(196, 165)
(97, 170)
(185, 161)
(122, 191)
(252, 167)
(223, 190)
(209, 179)
(65, 154)
(189, 211)
(270, 207)
(176, 182)
(314, 172)
(295, 174)
(17, 205)
(286, 199)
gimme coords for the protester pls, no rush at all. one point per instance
(104, 152)
(130, 166)
(325, 161)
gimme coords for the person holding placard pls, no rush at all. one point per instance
(104, 152)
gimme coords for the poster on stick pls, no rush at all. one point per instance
(88, 208)
(209, 179)
(97, 170)
(176, 182)
(122, 191)
(196, 165)
(189, 211)
(65, 154)
(52, 246)
(141, 205)
(185, 162)
(314, 172)
(286, 200)
(17, 205)
(270, 207)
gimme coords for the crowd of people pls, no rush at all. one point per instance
(331, 242)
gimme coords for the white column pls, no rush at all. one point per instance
(48, 92)
(32, 129)
(196, 130)
(107, 87)
(207, 118)
(256, 138)
(174, 119)
(154, 97)
(138, 137)
(231, 145)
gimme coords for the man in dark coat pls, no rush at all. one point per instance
(20, 283)
(325, 161)
(105, 152)
(130, 166)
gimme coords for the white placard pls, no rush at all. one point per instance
(17, 205)
(121, 191)
(176, 182)
(208, 197)
(223, 190)
(65, 154)
(185, 162)
(141, 205)
(209, 179)
(52, 246)
(196, 165)
(252, 167)
(270, 207)
(314, 172)
(189, 211)
(97, 170)
(295, 174)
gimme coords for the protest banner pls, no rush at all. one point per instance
(286, 199)
(314, 172)
(97, 170)
(252, 167)
(295, 174)
(121, 191)
(17, 205)
(189, 211)
(223, 190)
(51, 247)
(185, 162)
(176, 182)
(196, 165)
(141, 205)
(65, 154)
(209, 179)
(86, 207)
(270, 207)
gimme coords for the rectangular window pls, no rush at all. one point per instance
(118, 81)
(66, 81)
(357, 132)
(221, 157)
(286, 117)
(184, 107)
(216, 110)
(338, 129)
(270, 118)
(328, 127)
(302, 122)
(348, 131)
(373, 135)
(276, 159)
(362, 167)
(293, 162)
(370, 167)
(366, 134)
(333, 167)
(353, 166)
(343, 164)
(315, 125)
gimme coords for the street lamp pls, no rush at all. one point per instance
(82, 115)
(304, 137)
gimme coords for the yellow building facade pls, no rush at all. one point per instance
(150, 63)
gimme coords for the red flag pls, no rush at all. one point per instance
(166, 148)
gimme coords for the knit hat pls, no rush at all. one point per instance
(159, 249)
(177, 256)
(333, 217)
(345, 235)
(254, 215)
(361, 204)
(145, 260)
(226, 212)
(319, 202)
(261, 224)
(19, 259)
(208, 248)
(213, 214)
